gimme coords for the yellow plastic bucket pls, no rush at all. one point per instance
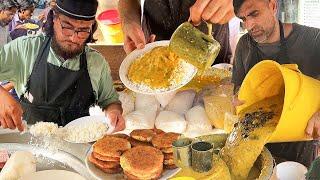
(301, 99)
(110, 26)
(112, 34)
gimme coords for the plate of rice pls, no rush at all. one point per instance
(86, 129)
(155, 70)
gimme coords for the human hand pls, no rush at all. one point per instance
(236, 101)
(41, 17)
(213, 11)
(114, 115)
(20, 26)
(313, 127)
(10, 111)
(134, 37)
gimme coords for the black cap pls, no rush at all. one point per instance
(237, 5)
(78, 9)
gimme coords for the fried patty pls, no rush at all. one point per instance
(158, 131)
(111, 147)
(105, 158)
(120, 135)
(103, 164)
(168, 159)
(133, 177)
(168, 162)
(144, 135)
(135, 143)
(142, 161)
(167, 150)
(164, 141)
(112, 171)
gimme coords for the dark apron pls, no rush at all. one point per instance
(162, 17)
(302, 152)
(57, 94)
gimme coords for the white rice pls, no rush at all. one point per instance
(44, 129)
(86, 132)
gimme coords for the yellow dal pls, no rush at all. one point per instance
(241, 152)
(155, 69)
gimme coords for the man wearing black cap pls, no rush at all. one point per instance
(56, 75)
(268, 38)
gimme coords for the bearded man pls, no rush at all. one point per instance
(57, 76)
(285, 43)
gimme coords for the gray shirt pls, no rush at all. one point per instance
(303, 49)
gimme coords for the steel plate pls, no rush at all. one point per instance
(47, 158)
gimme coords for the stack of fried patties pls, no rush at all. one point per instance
(143, 137)
(142, 162)
(107, 151)
(164, 142)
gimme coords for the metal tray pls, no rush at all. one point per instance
(47, 159)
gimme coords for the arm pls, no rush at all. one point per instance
(15, 64)
(10, 111)
(130, 15)
(108, 99)
(129, 11)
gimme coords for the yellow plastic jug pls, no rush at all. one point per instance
(301, 99)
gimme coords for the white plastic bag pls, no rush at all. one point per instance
(197, 119)
(171, 122)
(20, 163)
(182, 102)
(218, 103)
(165, 98)
(141, 119)
(127, 102)
(144, 101)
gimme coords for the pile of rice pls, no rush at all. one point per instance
(86, 132)
(78, 133)
(47, 129)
